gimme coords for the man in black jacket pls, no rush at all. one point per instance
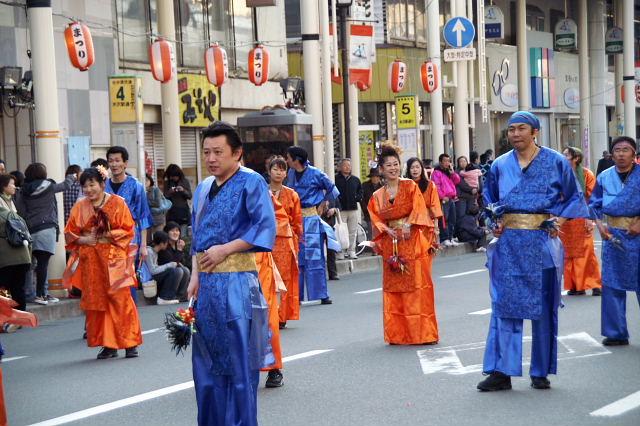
(604, 163)
(350, 195)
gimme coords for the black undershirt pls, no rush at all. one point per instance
(299, 174)
(116, 186)
(215, 188)
(625, 175)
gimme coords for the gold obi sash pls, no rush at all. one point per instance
(398, 223)
(530, 221)
(237, 262)
(620, 222)
(309, 211)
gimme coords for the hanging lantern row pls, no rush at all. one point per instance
(397, 76)
(162, 59)
(429, 76)
(216, 65)
(258, 65)
(79, 45)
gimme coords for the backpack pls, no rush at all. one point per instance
(17, 232)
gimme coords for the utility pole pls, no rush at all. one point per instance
(345, 80)
(524, 99)
(312, 76)
(629, 69)
(460, 100)
(585, 91)
(46, 129)
(327, 105)
(435, 107)
(169, 91)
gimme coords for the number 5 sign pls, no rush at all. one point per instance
(406, 112)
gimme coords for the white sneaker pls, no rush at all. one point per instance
(40, 300)
(447, 243)
(352, 256)
(455, 243)
(167, 302)
(51, 299)
(455, 240)
(481, 250)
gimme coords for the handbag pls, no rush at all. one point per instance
(342, 231)
(149, 285)
(165, 204)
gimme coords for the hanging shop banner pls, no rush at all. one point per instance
(566, 34)
(199, 101)
(493, 22)
(613, 41)
(361, 55)
(367, 151)
(407, 112)
(125, 99)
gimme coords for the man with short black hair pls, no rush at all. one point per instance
(604, 163)
(350, 189)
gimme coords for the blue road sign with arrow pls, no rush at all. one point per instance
(459, 32)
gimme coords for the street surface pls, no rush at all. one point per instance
(338, 370)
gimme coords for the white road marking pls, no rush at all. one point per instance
(153, 330)
(13, 358)
(446, 360)
(104, 408)
(461, 274)
(621, 406)
(482, 312)
(373, 290)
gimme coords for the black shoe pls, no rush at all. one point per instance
(496, 381)
(596, 292)
(576, 292)
(84, 336)
(131, 352)
(106, 353)
(283, 325)
(540, 383)
(334, 278)
(326, 301)
(608, 341)
(274, 379)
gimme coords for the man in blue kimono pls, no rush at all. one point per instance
(233, 218)
(615, 204)
(315, 190)
(531, 190)
(133, 193)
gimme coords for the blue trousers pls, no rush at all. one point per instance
(227, 400)
(614, 312)
(503, 352)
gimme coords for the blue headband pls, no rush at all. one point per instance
(524, 117)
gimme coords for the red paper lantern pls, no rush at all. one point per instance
(397, 76)
(79, 45)
(429, 76)
(258, 65)
(216, 65)
(162, 59)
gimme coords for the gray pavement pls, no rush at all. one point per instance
(359, 380)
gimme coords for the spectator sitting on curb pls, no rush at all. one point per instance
(175, 252)
(468, 230)
(166, 276)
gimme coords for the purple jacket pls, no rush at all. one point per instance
(446, 185)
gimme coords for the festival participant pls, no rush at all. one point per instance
(134, 195)
(615, 203)
(99, 233)
(400, 221)
(531, 188)
(581, 268)
(314, 189)
(288, 234)
(232, 219)
(416, 172)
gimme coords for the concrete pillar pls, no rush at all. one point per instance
(598, 72)
(435, 104)
(629, 69)
(460, 103)
(618, 65)
(327, 111)
(583, 64)
(47, 132)
(354, 135)
(169, 91)
(524, 98)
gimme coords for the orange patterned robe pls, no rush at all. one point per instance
(432, 201)
(581, 267)
(104, 274)
(285, 250)
(409, 314)
(267, 276)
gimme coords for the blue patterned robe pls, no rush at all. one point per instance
(517, 259)
(136, 198)
(313, 187)
(612, 197)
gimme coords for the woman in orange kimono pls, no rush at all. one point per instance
(581, 267)
(99, 233)
(416, 172)
(288, 232)
(401, 220)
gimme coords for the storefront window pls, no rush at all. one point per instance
(190, 15)
(243, 32)
(406, 20)
(220, 26)
(132, 21)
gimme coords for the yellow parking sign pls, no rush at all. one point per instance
(406, 112)
(125, 99)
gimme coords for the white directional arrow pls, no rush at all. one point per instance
(458, 28)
